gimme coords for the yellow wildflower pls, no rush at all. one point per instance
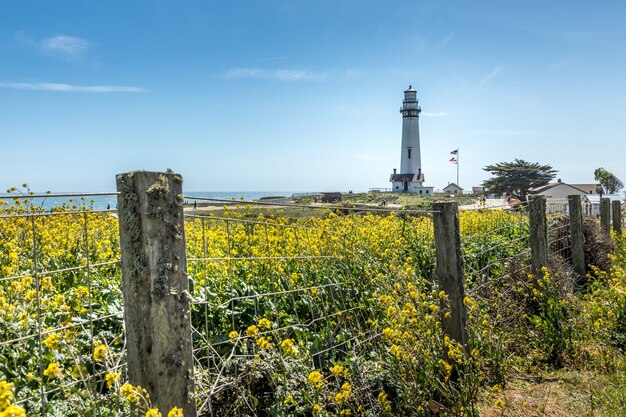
(153, 412)
(52, 341)
(129, 392)
(111, 377)
(100, 353)
(175, 412)
(339, 370)
(289, 347)
(6, 394)
(53, 370)
(316, 378)
(13, 411)
(265, 324)
(264, 343)
(252, 331)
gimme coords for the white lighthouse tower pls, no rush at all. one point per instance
(410, 178)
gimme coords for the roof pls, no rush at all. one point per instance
(401, 177)
(587, 188)
(547, 187)
(595, 198)
(408, 177)
(452, 186)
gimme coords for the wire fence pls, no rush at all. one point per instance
(559, 238)
(298, 295)
(494, 248)
(62, 315)
(278, 292)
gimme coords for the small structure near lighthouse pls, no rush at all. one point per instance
(410, 178)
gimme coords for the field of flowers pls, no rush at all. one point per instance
(330, 315)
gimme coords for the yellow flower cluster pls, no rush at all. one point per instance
(289, 347)
(7, 408)
(316, 379)
(53, 371)
(100, 352)
(111, 378)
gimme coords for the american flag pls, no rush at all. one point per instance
(454, 152)
(453, 161)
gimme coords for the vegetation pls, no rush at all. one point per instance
(608, 181)
(405, 200)
(517, 177)
(325, 316)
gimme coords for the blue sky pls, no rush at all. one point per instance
(304, 95)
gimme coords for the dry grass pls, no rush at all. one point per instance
(558, 395)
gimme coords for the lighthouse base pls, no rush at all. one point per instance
(409, 183)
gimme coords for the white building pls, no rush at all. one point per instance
(452, 188)
(410, 178)
(591, 203)
(556, 196)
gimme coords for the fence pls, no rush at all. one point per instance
(235, 312)
(60, 303)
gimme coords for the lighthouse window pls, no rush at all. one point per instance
(409, 153)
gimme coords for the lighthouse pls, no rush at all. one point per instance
(410, 177)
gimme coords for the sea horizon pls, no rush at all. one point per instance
(103, 200)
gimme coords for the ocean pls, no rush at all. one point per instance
(103, 201)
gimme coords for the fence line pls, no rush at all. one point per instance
(57, 323)
(298, 295)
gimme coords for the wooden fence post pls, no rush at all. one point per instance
(617, 217)
(538, 233)
(449, 268)
(605, 215)
(577, 236)
(157, 311)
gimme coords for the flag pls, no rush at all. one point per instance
(453, 161)
(454, 152)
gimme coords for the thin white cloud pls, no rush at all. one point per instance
(492, 74)
(273, 74)
(435, 114)
(69, 46)
(72, 88)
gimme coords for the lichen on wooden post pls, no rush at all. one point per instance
(577, 237)
(538, 233)
(157, 312)
(616, 208)
(449, 268)
(605, 215)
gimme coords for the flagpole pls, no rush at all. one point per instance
(457, 167)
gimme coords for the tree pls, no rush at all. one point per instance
(608, 181)
(517, 177)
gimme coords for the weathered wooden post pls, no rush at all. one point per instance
(576, 236)
(449, 268)
(605, 215)
(538, 233)
(156, 298)
(616, 207)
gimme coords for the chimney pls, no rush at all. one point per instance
(558, 180)
(394, 171)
